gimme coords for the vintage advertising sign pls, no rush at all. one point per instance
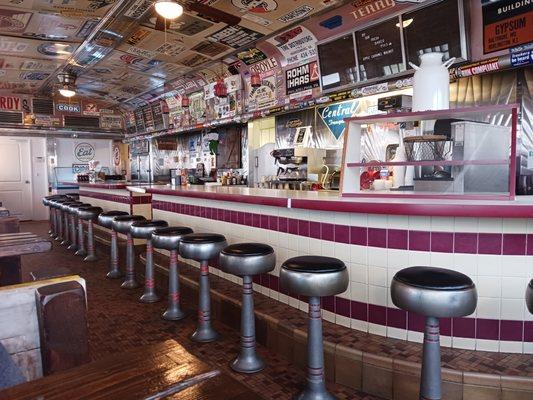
(302, 78)
(264, 96)
(90, 109)
(521, 56)
(14, 21)
(333, 115)
(296, 14)
(251, 56)
(84, 152)
(506, 23)
(80, 168)
(264, 66)
(296, 45)
(69, 108)
(235, 36)
(10, 103)
(108, 121)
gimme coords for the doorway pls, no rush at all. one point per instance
(15, 174)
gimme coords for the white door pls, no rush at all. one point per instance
(15, 173)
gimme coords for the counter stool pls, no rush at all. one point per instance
(246, 260)
(434, 293)
(73, 196)
(70, 227)
(47, 203)
(169, 239)
(82, 251)
(203, 247)
(144, 230)
(66, 221)
(56, 205)
(89, 214)
(106, 220)
(314, 277)
(122, 224)
(74, 223)
(529, 296)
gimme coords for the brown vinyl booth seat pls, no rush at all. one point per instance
(27, 306)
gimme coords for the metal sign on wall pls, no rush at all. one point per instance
(71, 108)
(506, 23)
(302, 78)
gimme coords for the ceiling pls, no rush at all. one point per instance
(116, 51)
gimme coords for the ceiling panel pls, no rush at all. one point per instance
(133, 52)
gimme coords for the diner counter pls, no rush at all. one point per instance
(522, 207)
(489, 240)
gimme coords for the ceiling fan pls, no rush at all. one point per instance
(203, 11)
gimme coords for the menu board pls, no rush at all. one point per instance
(139, 121)
(337, 62)
(157, 114)
(433, 29)
(148, 118)
(379, 50)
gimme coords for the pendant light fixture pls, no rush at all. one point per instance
(68, 88)
(255, 80)
(168, 9)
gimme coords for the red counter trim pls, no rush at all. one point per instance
(117, 198)
(98, 185)
(433, 210)
(259, 200)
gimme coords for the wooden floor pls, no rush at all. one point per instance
(118, 323)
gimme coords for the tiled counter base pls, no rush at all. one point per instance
(496, 253)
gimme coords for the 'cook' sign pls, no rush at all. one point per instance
(72, 108)
(84, 152)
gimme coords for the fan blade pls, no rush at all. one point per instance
(214, 14)
(160, 23)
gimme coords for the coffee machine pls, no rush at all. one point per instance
(297, 164)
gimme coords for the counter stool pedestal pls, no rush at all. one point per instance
(246, 260)
(203, 247)
(434, 293)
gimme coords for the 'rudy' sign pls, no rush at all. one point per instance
(9, 103)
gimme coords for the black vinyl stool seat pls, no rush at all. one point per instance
(169, 239)
(122, 224)
(73, 196)
(247, 260)
(315, 277)
(144, 230)
(434, 293)
(529, 296)
(90, 215)
(203, 247)
(106, 220)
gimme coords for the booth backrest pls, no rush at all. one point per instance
(19, 330)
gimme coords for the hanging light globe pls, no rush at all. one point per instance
(168, 9)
